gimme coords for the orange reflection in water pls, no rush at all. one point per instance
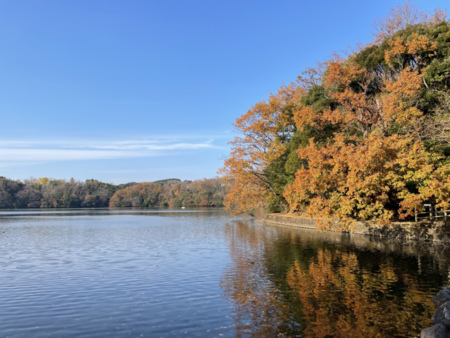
(340, 299)
(258, 308)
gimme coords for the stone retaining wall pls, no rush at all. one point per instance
(423, 231)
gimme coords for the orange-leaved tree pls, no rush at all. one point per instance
(266, 129)
(376, 165)
(367, 137)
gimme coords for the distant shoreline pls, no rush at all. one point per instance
(46, 193)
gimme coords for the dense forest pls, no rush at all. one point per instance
(52, 193)
(364, 136)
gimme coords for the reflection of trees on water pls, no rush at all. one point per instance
(340, 299)
(301, 283)
(259, 311)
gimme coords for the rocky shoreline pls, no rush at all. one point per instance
(441, 318)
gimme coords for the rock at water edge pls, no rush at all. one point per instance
(436, 331)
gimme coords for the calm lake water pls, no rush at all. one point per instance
(202, 273)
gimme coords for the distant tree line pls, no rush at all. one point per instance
(54, 193)
(172, 193)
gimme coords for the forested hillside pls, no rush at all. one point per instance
(173, 193)
(52, 193)
(360, 137)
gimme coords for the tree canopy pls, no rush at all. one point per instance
(362, 137)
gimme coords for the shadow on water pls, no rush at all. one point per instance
(296, 282)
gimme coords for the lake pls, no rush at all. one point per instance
(203, 273)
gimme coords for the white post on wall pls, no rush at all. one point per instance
(430, 211)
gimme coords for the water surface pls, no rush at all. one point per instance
(202, 273)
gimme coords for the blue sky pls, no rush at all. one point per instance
(141, 90)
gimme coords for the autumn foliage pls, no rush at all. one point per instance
(52, 193)
(171, 193)
(359, 138)
(266, 128)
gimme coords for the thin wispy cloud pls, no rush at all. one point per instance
(36, 154)
(75, 150)
(156, 147)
